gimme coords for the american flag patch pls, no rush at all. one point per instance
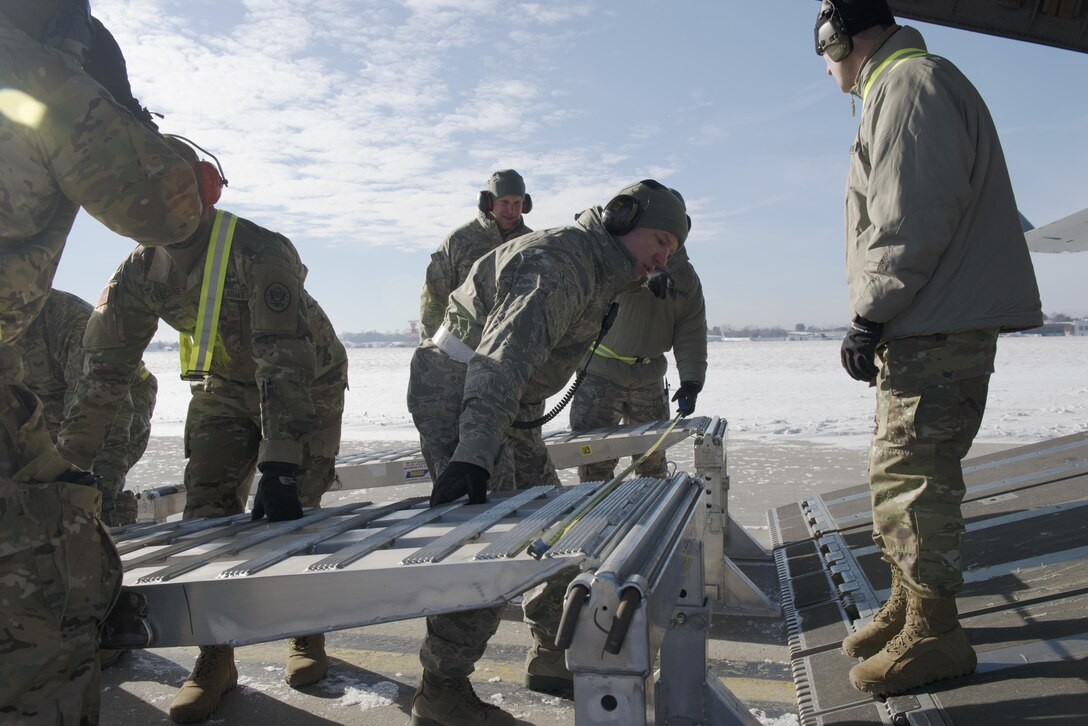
(103, 297)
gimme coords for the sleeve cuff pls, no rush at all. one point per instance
(287, 452)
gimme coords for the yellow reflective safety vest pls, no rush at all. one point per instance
(196, 350)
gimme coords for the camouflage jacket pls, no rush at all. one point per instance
(274, 343)
(52, 351)
(65, 144)
(451, 263)
(530, 309)
(646, 327)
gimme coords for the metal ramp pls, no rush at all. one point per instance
(1025, 559)
(637, 616)
(391, 467)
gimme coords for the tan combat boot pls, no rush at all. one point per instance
(213, 675)
(886, 624)
(306, 660)
(932, 646)
(546, 671)
(452, 702)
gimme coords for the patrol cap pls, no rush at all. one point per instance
(857, 15)
(658, 207)
(506, 182)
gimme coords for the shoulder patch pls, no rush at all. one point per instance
(103, 297)
(277, 297)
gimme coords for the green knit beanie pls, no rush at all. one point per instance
(506, 182)
(659, 208)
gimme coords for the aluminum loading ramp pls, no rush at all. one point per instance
(391, 467)
(649, 560)
(1024, 602)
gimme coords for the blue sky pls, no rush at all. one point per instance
(363, 130)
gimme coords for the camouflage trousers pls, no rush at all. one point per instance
(223, 438)
(931, 395)
(600, 403)
(59, 575)
(456, 641)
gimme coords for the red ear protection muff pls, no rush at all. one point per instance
(210, 183)
(210, 177)
(485, 202)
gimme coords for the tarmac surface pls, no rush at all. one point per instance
(375, 670)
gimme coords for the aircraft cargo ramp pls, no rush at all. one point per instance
(1024, 603)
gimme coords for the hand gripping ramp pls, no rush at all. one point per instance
(1025, 566)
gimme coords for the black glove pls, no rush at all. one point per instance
(458, 478)
(277, 492)
(859, 348)
(106, 64)
(660, 283)
(686, 395)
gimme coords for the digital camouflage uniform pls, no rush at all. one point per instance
(64, 144)
(943, 283)
(625, 378)
(448, 268)
(278, 372)
(52, 351)
(529, 310)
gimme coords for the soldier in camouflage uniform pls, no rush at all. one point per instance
(52, 351)
(65, 142)
(273, 399)
(625, 378)
(499, 219)
(937, 266)
(514, 331)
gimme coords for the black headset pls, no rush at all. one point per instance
(622, 213)
(831, 36)
(485, 202)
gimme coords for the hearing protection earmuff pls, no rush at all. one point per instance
(210, 179)
(622, 213)
(830, 33)
(485, 202)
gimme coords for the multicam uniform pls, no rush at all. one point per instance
(943, 283)
(52, 351)
(278, 373)
(625, 378)
(525, 317)
(64, 144)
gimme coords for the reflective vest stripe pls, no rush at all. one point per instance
(196, 350)
(898, 57)
(606, 352)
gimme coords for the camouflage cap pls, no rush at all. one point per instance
(506, 182)
(659, 208)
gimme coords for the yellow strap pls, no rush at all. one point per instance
(196, 350)
(898, 57)
(555, 533)
(613, 355)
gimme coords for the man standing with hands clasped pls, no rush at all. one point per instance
(937, 266)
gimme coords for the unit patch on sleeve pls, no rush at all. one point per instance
(277, 297)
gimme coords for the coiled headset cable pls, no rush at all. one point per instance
(606, 323)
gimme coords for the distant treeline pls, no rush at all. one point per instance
(373, 336)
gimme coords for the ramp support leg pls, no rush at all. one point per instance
(724, 539)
